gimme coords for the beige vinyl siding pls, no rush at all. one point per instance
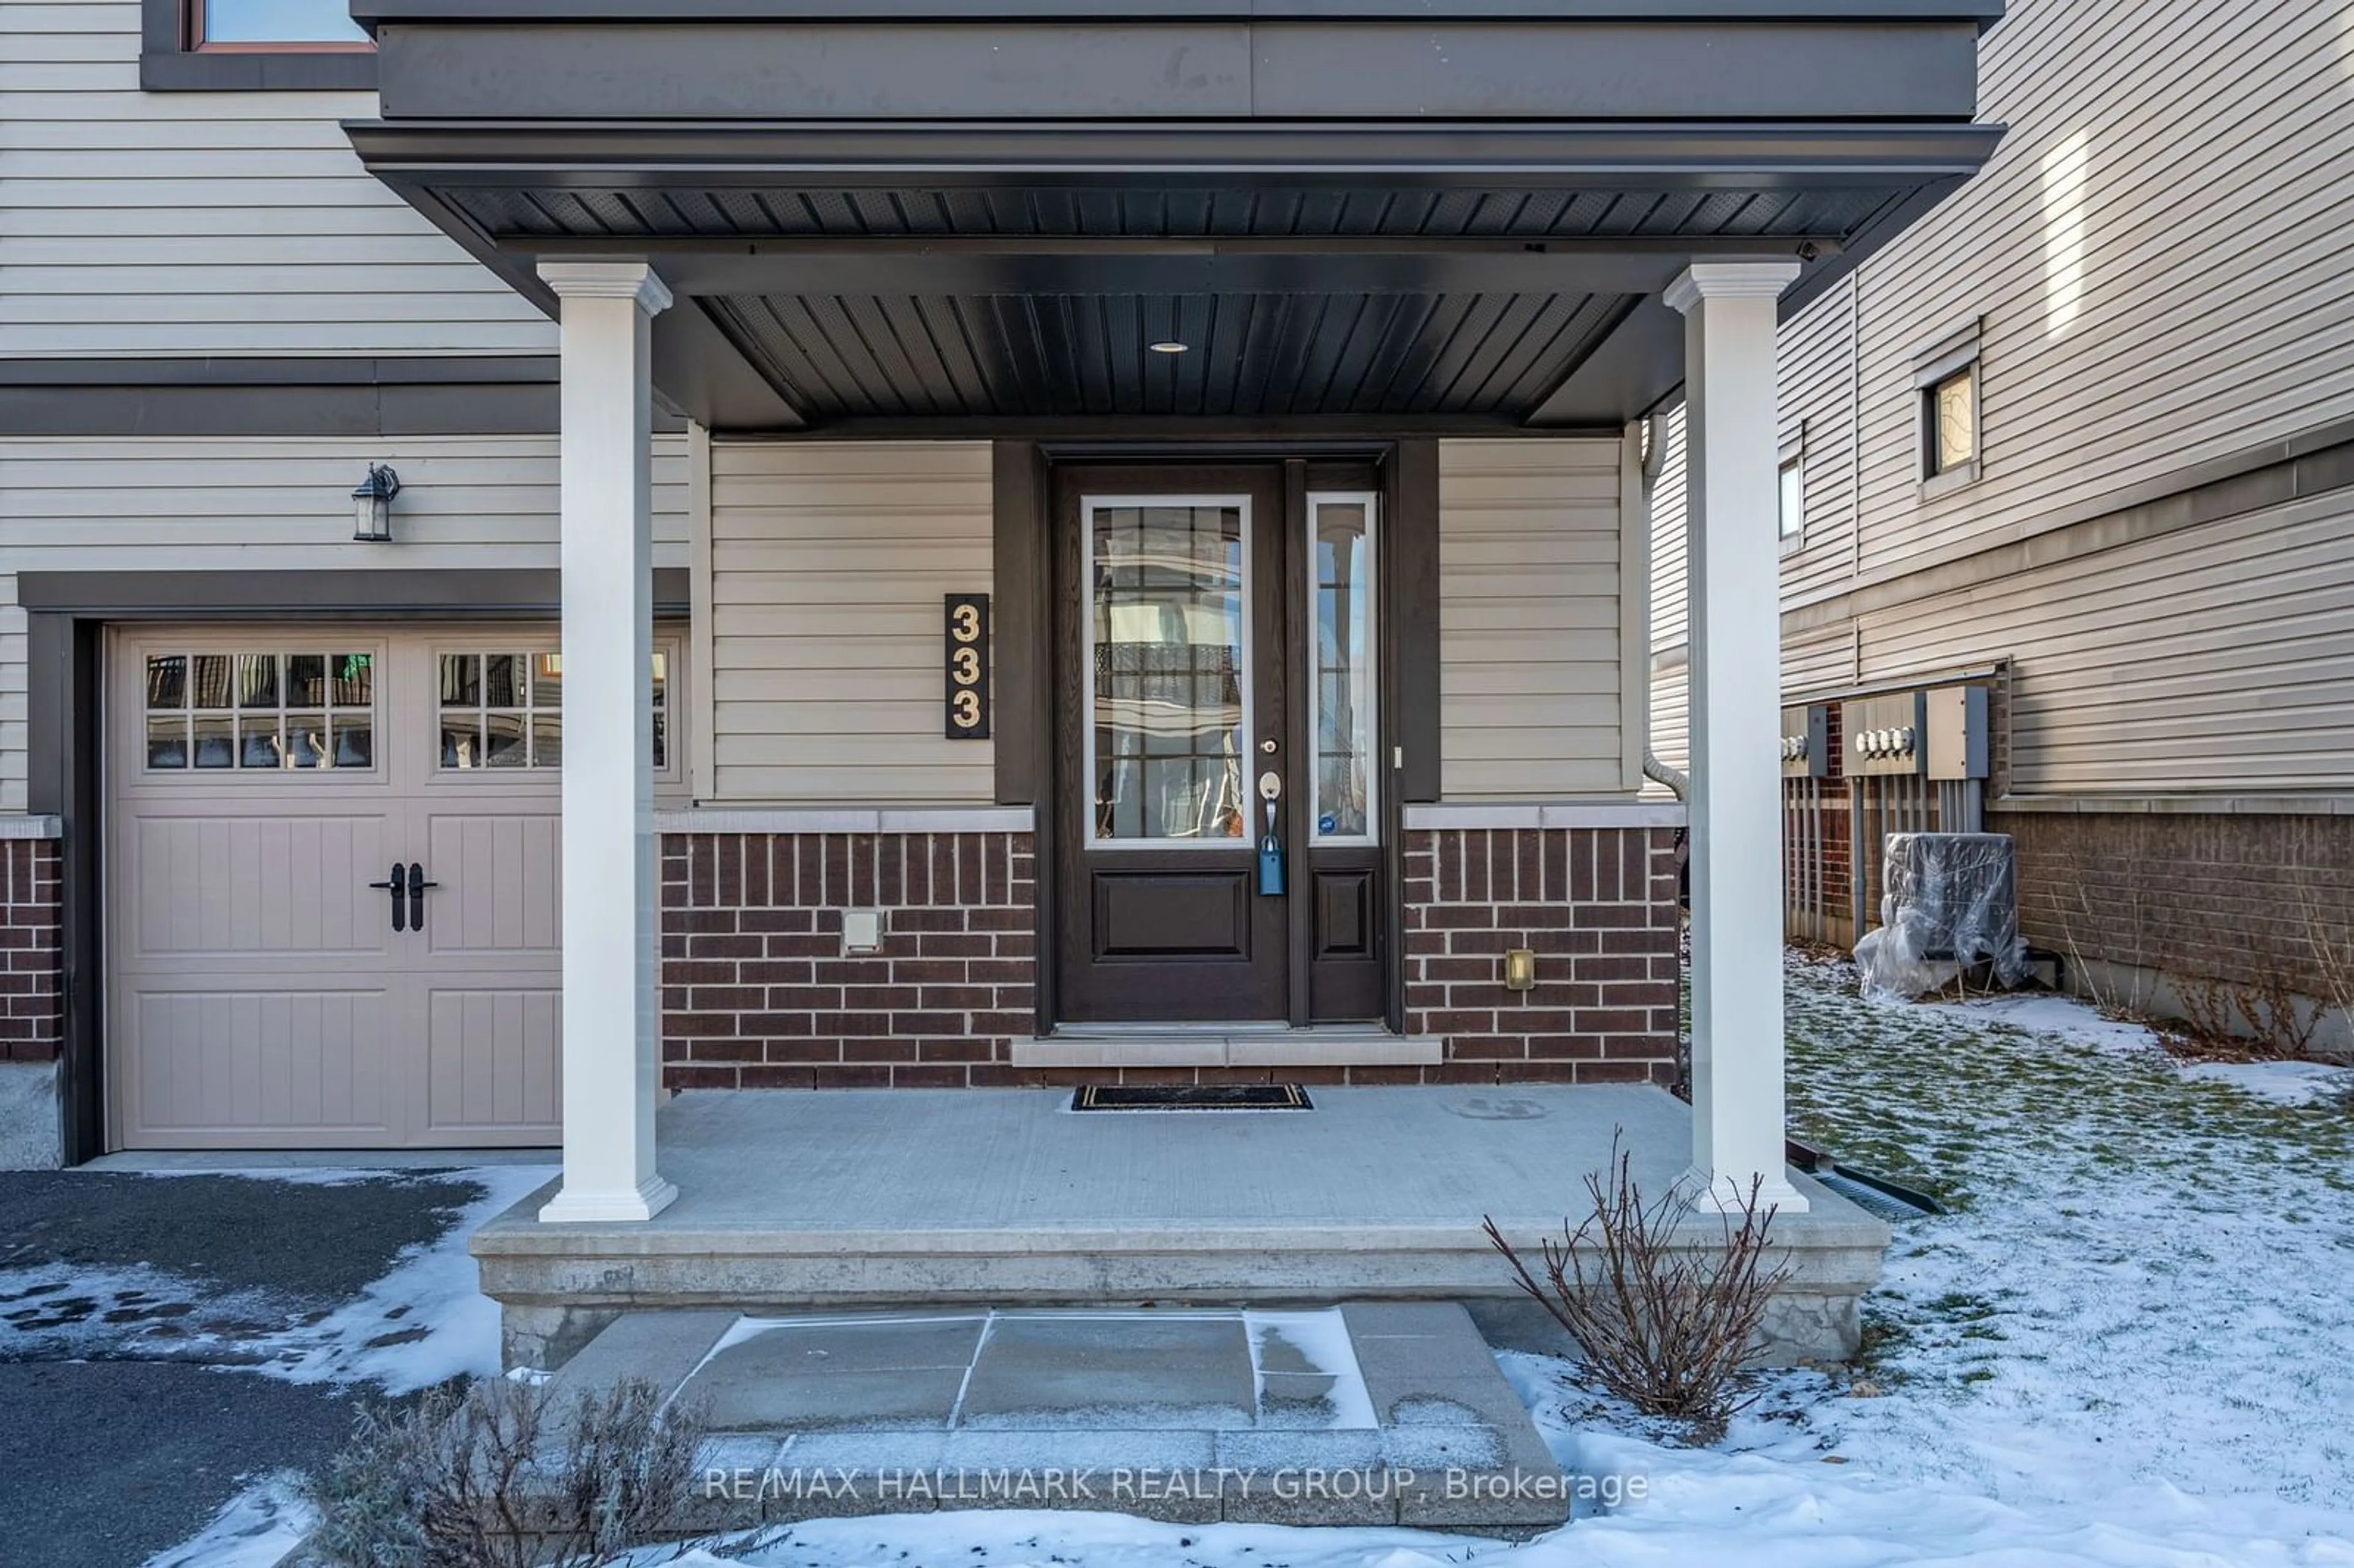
(1818, 664)
(1671, 608)
(1815, 381)
(239, 504)
(1530, 626)
(828, 564)
(2158, 252)
(2220, 658)
(210, 223)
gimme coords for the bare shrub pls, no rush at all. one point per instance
(2241, 1021)
(2207, 1006)
(1665, 1324)
(494, 1478)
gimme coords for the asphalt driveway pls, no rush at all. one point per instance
(152, 1328)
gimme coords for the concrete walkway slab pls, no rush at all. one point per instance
(1339, 1416)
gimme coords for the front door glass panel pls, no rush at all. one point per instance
(1341, 579)
(1169, 654)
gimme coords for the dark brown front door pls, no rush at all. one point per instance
(1214, 644)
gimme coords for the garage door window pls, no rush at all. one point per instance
(506, 710)
(250, 712)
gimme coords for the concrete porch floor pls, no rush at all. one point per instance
(856, 1199)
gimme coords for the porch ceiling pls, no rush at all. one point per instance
(1251, 356)
(953, 218)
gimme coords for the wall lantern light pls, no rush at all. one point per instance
(1520, 969)
(372, 504)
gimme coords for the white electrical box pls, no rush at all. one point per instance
(861, 930)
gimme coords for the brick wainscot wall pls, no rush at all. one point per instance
(32, 888)
(757, 992)
(1597, 905)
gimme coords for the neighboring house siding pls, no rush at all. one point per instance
(2157, 249)
(1818, 662)
(828, 564)
(1530, 546)
(261, 504)
(2218, 658)
(1671, 609)
(2130, 330)
(1815, 378)
(210, 223)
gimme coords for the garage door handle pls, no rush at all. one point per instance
(417, 886)
(394, 882)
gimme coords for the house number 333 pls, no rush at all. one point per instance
(967, 666)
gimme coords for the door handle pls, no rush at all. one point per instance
(417, 886)
(394, 882)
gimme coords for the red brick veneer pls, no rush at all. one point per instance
(756, 993)
(1599, 907)
(32, 890)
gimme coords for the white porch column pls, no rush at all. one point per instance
(1733, 561)
(612, 1044)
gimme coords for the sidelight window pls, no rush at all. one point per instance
(1167, 733)
(1341, 694)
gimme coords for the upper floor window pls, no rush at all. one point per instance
(1793, 507)
(217, 45)
(1946, 384)
(261, 23)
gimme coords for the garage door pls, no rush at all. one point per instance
(336, 894)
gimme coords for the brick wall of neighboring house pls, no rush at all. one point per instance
(757, 993)
(32, 890)
(1599, 907)
(2224, 896)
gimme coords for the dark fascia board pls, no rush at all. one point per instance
(413, 592)
(359, 399)
(166, 65)
(1751, 71)
(369, 12)
(448, 154)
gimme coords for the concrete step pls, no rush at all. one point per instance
(1381, 1413)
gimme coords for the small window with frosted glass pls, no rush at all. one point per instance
(506, 711)
(231, 712)
(1343, 700)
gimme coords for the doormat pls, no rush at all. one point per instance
(1192, 1096)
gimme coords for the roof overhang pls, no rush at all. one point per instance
(844, 261)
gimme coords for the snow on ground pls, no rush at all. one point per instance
(2127, 1345)
(255, 1528)
(2290, 1083)
(425, 1322)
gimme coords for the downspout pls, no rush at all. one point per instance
(1659, 772)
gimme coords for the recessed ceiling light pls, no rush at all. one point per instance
(1170, 346)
